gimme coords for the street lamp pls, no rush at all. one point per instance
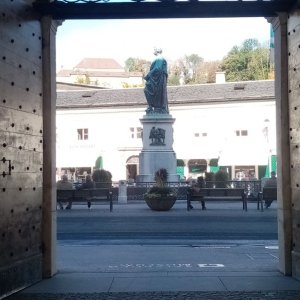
(266, 135)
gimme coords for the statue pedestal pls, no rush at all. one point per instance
(157, 149)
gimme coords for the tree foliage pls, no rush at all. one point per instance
(191, 65)
(192, 69)
(175, 74)
(137, 65)
(207, 73)
(250, 61)
(83, 79)
(102, 176)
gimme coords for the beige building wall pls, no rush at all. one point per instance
(110, 135)
(107, 82)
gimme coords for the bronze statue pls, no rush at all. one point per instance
(157, 136)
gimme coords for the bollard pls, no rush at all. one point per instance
(122, 198)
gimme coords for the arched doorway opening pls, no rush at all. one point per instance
(284, 128)
(282, 91)
(196, 167)
(132, 166)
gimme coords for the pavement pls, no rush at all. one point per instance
(204, 269)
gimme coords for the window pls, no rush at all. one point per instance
(139, 132)
(131, 132)
(83, 134)
(197, 134)
(239, 86)
(136, 132)
(241, 132)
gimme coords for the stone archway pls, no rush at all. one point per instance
(287, 251)
(31, 95)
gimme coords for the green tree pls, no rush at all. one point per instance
(173, 79)
(174, 74)
(137, 65)
(192, 64)
(251, 61)
(83, 79)
(185, 69)
(207, 72)
(126, 85)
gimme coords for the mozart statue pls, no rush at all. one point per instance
(156, 85)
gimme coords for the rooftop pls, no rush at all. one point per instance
(98, 64)
(177, 95)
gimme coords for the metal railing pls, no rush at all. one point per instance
(251, 187)
(135, 192)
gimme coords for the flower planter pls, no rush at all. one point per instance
(160, 202)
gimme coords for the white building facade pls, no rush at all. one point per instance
(232, 123)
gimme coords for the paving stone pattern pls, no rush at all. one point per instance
(272, 295)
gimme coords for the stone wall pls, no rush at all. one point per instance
(294, 112)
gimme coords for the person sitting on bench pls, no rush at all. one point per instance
(88, 184)
(64, 184)
(197, 187)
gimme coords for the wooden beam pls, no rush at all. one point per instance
(166, 9)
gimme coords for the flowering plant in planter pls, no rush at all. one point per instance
(160, 196)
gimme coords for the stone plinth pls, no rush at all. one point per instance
(122, 195)
(157, 149)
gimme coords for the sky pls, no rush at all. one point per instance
(210, 38)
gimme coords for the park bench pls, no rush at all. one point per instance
(216, 194)
(267, 193)
(86, 195)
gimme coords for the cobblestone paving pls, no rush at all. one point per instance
(269, 295)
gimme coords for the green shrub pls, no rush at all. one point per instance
(102, 178)
(221, 179)
(209, 179)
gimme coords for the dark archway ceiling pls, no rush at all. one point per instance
(139, 9)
